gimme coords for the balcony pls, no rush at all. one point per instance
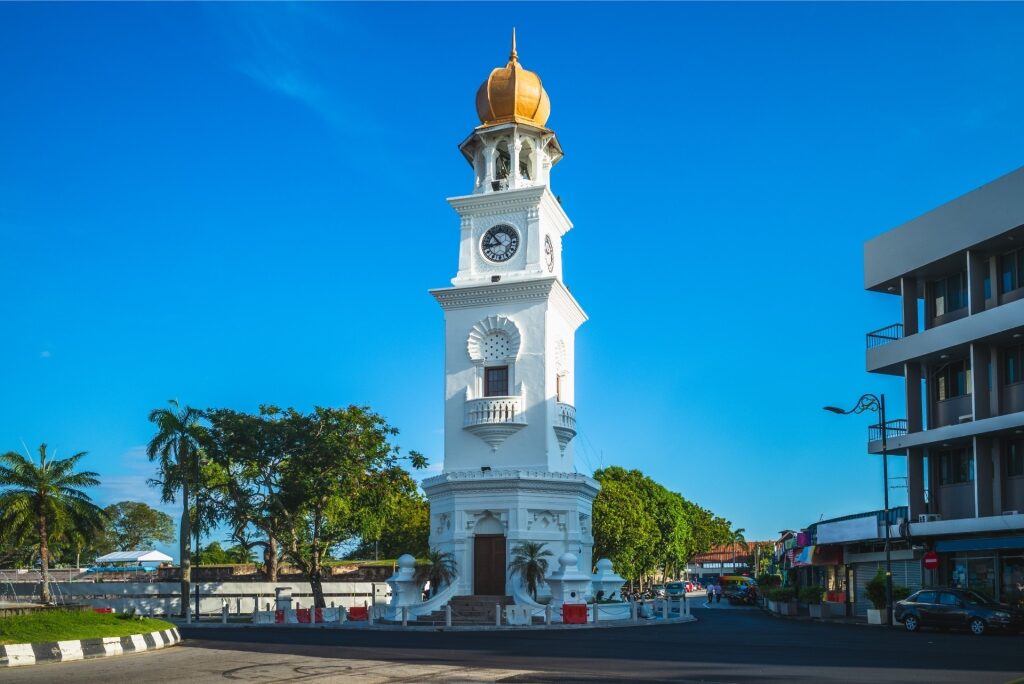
(890, 333)
(565, 424)
(893, 428)
(494, 419)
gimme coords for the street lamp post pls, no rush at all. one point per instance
(870, 402)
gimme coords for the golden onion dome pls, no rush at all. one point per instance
(512, 93)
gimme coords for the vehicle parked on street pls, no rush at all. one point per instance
(957, 608)
(675, 590)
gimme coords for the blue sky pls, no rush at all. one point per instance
(240, 204)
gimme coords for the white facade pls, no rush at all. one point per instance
(510, 325)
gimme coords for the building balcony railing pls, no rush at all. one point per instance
(565, 423)
(893, 428)
(890, 333)
(494, 419)
(494, 410)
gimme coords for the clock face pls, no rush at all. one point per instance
(500, 243)
(549, 253)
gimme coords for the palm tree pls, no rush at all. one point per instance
(736, 538)
(530, 561)
(176, 448)
(439, 570)
(44, 501)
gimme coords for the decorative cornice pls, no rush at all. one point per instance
(534, 196)
(514, 291)
(510, 480)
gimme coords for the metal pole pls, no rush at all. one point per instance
(885, 479)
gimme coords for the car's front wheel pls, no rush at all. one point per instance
(977, 626)
(910, 623)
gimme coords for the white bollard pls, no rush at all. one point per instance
(405, 616)
(224, 613)
(597, 610)
(497, 615)
(238, 606)
(188, 614)
(447, 615)
(547, 615)
(369, 615)
(664, 609)
(633, 613)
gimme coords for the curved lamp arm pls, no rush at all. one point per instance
(867, 402)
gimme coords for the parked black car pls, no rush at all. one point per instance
(957, 608)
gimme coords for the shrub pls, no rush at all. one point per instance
(811, 594)
(767, 581)
(876, 590)
(781, 595)
(899, 593)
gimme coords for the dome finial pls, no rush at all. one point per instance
(513, 56)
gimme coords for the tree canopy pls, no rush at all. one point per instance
(642, 526)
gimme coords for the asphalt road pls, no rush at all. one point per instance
(726, 645)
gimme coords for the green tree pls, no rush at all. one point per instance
(439, 570)
(176, 448)
(135, 526)
(40, 501)
(737, 538)
(530, 563)
(249, 454)
(397, 521)
(332, 465)
(624, 529)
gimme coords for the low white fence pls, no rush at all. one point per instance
(164, 598)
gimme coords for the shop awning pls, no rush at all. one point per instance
(980, 544)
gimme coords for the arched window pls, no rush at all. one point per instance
(493, 346)
(502, 161)
(527, 159)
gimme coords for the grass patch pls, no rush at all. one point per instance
(60, 625)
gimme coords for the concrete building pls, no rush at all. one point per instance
(958, 274)
(510, 325)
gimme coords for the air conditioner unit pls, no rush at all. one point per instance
(1011, 512)
(928, 517)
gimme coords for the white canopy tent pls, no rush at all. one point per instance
(135, 557)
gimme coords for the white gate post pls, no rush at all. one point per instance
(664, 609)
(597, 610)
(547, 615)
(224, 613)
(633, 615)
(405, 616)
(447, 615)
(497, 615)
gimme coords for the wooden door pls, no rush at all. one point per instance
(489, 565)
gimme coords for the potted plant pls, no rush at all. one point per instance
(876, 594)
(781, 601)
(812, 597)
(765, 583)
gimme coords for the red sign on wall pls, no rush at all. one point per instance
(930, 561)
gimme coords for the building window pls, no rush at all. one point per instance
(1015, 457)
(1013, 370)
(949, 294)
(955, 467)
(496, 381)
(952, 380)
(1011, 270)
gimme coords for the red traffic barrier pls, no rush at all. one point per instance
(358, 613)
(103, 610)
(574, 613)
(302, 614)
(279, 617)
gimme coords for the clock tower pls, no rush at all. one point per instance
(510, 324)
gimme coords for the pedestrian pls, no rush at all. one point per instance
(709, 593)
(718, 593)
